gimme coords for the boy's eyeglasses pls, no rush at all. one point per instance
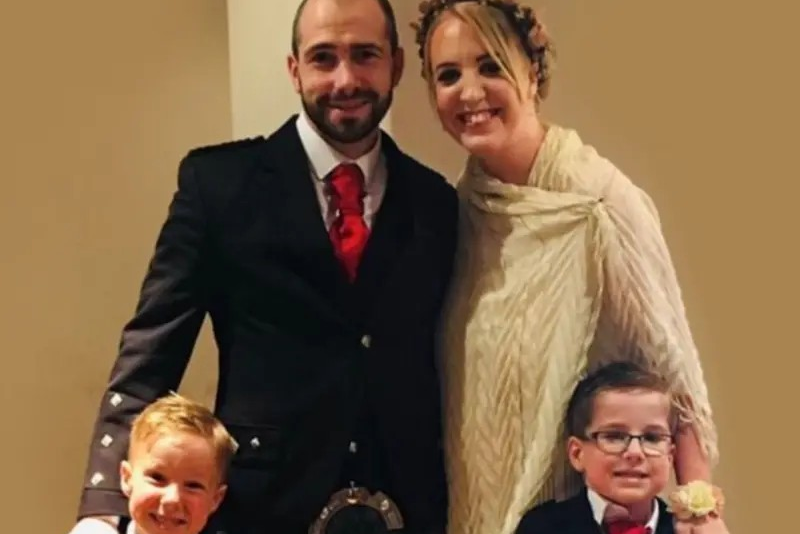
(616, 442)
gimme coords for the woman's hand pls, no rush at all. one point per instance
(706, 525)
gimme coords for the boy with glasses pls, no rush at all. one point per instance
(620, 423)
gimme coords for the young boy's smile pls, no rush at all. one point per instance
(624, 470)
(173, 484)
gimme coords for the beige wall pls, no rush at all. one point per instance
(262, 97)
(100, 100)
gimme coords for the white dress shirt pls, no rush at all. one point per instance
(322, 159)
(599, 505)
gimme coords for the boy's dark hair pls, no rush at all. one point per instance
(388, 15)
(614, 376)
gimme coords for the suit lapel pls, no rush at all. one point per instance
(579, 515)
(297, 217)
(297, 214)
(392, 228)
(664, 525)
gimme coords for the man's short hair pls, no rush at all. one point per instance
(388, 12)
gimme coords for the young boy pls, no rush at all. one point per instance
(177, 461)
(620, 424)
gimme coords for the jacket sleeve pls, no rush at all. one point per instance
(155, 345)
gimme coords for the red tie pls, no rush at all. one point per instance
(348, 232)
(627, 527)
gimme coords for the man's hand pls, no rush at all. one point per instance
(96, 525)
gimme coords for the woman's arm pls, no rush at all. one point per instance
(691, 461)
(644, 300)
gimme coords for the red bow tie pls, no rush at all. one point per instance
(627, 527)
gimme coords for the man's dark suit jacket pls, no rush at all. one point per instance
(305, 357)
(574, 516)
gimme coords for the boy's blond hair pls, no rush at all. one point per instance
(173, 414)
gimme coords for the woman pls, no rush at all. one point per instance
(562, 266)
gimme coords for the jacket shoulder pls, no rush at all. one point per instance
(541, 519)
(220, 171)
(431, 177)
(227, 147)
(228, 159)
(417, 172)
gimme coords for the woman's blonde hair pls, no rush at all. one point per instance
(511, 34)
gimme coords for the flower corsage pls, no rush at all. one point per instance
(696, 500)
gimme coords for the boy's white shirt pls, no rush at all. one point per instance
(599, 505)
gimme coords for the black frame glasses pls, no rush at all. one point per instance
(617, 442)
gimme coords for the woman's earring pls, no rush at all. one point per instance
(533, 93)
(534, 82)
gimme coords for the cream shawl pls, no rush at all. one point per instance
(553, 277)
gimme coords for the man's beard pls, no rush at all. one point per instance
(348, 130)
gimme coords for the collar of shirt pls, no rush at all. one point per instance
(599, 505)
(323, 158)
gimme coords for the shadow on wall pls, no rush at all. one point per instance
(413, 121)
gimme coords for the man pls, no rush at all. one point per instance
(324, 283)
